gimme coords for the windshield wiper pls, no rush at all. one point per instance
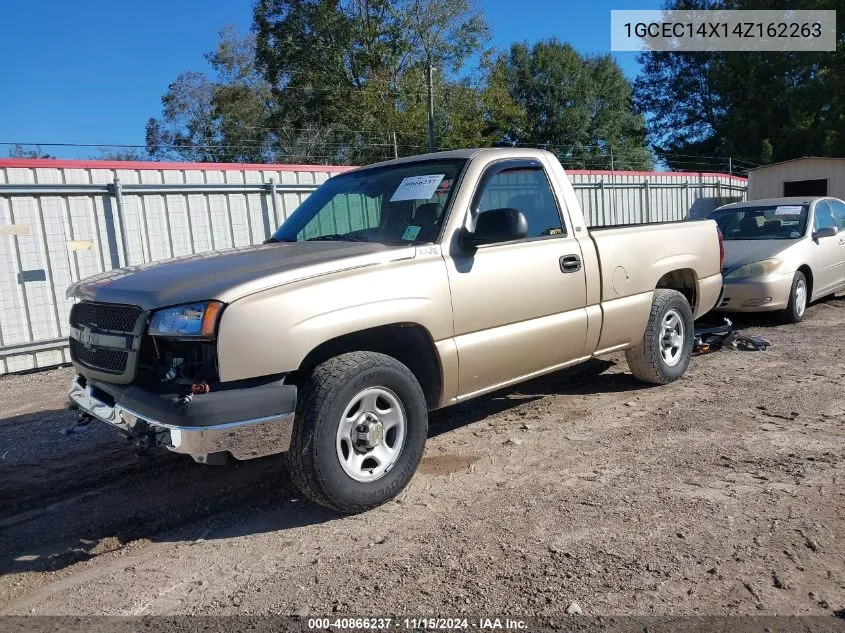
(337, 238)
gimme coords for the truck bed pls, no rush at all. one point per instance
(633, 257)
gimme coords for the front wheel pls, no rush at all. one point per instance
(359, 432)
(664, 353)
(798, 297)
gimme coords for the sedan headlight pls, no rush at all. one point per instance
(192, 319)
(755, 269)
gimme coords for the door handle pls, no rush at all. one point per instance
(570, 264)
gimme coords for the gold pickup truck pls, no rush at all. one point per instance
(393, 290)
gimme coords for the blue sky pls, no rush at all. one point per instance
(91, 71)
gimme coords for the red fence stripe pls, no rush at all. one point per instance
(674, 174)
(32, 163)
(58, 163)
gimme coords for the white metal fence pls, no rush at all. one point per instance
(631, 197)
(61, 221)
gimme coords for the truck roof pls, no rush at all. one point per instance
(503, 152)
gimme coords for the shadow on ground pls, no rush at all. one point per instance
(67, 498)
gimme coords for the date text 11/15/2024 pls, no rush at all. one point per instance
(415, 624)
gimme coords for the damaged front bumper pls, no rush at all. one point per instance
(247, 423)
(763, 294)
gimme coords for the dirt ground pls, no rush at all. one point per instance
(720, 494)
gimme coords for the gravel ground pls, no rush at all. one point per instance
(720, 494)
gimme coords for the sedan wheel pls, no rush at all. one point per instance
(799, 296)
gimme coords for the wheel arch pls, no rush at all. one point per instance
(808, 275)
(685, 281)
(409, 343)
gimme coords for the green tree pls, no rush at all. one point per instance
(318, 56)
(19, 151)
(756, 107)
(347, 81)
(579, 107)
(225, 119)
(358, 70)
(444, 33)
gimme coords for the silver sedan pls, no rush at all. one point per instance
(781, 253)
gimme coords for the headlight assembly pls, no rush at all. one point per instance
(755, 269)
(189, 320)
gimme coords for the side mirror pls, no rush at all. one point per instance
(828, 231)
(496, 225)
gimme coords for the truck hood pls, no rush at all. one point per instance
(741, 252)
(230, 274)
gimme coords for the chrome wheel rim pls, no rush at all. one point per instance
(371, 434)
(800, 297)
(672, 338)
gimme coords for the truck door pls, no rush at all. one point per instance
(519, 307)
(827, 252)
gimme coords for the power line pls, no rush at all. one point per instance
(207, 146)
(700, 156)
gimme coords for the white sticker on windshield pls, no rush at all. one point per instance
(789, 210)
(417, 188)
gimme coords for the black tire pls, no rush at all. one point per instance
(313, 460)
(794, 312)
(646, 360)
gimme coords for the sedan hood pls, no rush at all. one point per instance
(230, 274)
(741, 252)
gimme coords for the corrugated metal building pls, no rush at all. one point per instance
(809, 176)
(64, 220)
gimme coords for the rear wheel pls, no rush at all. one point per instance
(798, 298)
(664, 353)
(359, 431)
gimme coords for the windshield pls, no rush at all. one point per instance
(397, 204)
(766, 222)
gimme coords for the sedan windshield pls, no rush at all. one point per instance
(397, 204)
(769, 222)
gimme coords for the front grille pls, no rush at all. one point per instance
(100, 358)
(114, 317)
(103, 317)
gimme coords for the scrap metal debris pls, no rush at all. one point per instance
(725, 336)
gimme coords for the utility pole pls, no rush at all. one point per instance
(395, 146)
(612, 181)
(430, 107)
(730, 166)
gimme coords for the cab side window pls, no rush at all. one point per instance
(824, 218)
(525, 189)
(838, 208)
